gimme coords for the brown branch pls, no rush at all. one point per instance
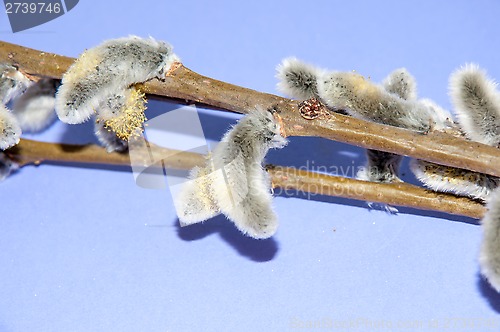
(397, 194)
(185, 84)
(34, 152)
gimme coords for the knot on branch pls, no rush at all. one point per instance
(311, 108)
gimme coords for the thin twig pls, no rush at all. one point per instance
(287, 178)
(182, 83)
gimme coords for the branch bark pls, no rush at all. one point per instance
(182, 83)
(288, 178)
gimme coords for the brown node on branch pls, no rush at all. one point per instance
(310, 109)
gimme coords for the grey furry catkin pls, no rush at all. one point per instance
(108, 69)
(233, 181)
(10, 132)
(401, 83)
(364, 99)
(7, 166)
(489, 257)
(394, 103)
(477, 104)
(107, 137)
(384, 166)
(34, 109)
(298, 79)
(454, 180)
(12, 82)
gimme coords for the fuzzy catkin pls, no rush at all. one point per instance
(401, 83)
(196, 201)
(454, 180)
(12, 83)
(489, 257)
(108, 69)
(364, 99)
(125, 115)
(10, 132)
(477, 104)
(7, 166)
(120, 117)
(384, 166)
(233, 181)
(34, 109)
(380, 167)
(107, 137)
(298, 79)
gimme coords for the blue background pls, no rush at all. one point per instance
(85, 249)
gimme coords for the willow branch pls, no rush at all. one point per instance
(184, 84)
(287, 178)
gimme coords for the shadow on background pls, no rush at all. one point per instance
(256, 250)
(79, 133)
(489, 293)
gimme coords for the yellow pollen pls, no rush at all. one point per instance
(131, 119)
